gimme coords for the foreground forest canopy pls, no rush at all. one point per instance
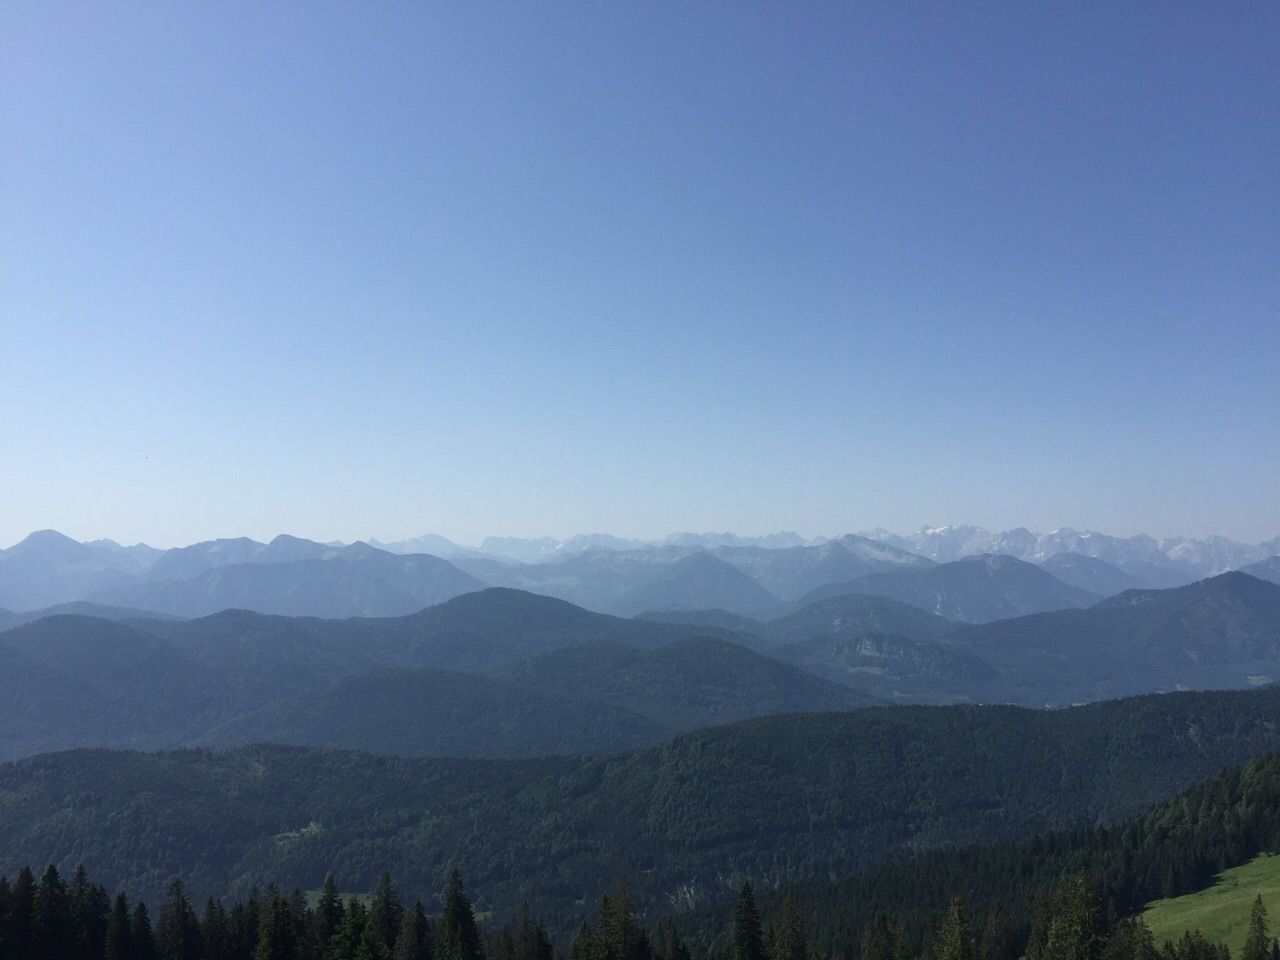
(51, 919)
(1071, 896)
(776, 799)
(1059, 896)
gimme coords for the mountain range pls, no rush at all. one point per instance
(525, 675)
(1168, 561)
(541, 675)
(290, 575)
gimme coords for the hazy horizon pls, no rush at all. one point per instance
(645, 538)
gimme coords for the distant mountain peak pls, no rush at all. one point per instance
(47, 539)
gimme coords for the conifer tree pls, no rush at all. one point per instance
(346, 941)
(328, 913)
(787, 940)
(414, 939)
(177, 929)
(243, 921)
(371, 946)
(531, 941)
(584, 943)
(1193, 945)
(955, 937)
(276, 939)
(119, 940)
(1257, 945)
(88, 906)
(602, 944)
(303, 927)
(5, 919)
(457, 937)
(748, 937)
(141, 938)
(215, 931)
(618, 935)
(22, 914)
(51, 936)
(1130, 939)
(1075, 932)
(385, 912)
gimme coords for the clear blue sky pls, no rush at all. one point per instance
(351, 270)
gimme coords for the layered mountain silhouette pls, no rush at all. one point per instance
(1159, 563)
(1218, 633)
(598, 571)
(1092, 575)
(150, 683)
(1221, 632)
(973, 590)
(359, 581)
(377, 683)
(48, 568)
(698, 581)
(1268, 569)
(794, 571)
(627, 582)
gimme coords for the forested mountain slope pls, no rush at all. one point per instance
(439, 713)
(1177, 847)
(1221, 632)
(689, 683)
(777, 799)
(238, 677)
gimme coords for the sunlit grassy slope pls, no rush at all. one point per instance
(1221, 912)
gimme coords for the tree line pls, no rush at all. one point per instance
(51, 919)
